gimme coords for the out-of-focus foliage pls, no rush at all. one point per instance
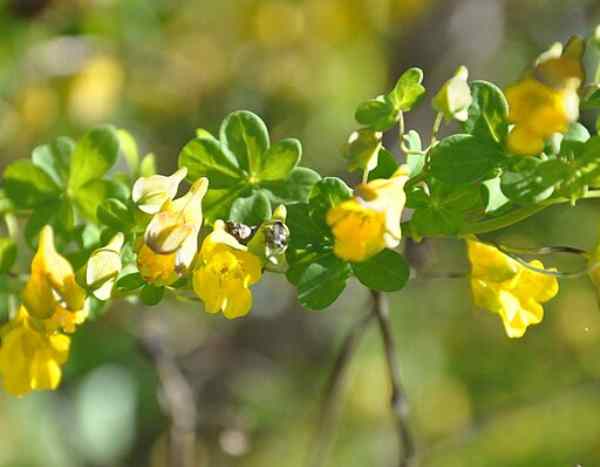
(165, 68)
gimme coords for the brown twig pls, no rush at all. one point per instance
(177, 401)
(335, 384)
(398, 402)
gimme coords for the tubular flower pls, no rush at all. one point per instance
(171, 238)
(103, 267)
(370, 221)
(224, 274)
(150, 193)
(503, 286)
(31, 358)
(546, 101)
(52, 294)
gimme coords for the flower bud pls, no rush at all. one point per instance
(103, 267)
(454, 98)
(150, 193)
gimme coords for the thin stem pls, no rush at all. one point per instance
(437, 124)
(517, 215)
(178, 402)
(401, 128)
(332, 391)
(398, 401)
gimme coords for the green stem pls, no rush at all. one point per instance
(517, 215)
(439, 118)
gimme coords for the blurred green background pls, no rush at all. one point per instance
(163, 68)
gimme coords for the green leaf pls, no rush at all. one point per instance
(129, 282)
(152, 295)
(378, 114)
(572, 143)
(27, 185)
(464, 159)
(417, 197)
(93, 156)
(408, 90)
(577, 132)
(386, 165)
(387, 271)
(129, 150)
(54, 159)
(148, 165)
(92, 195)
(322, 281)
(330, 191)
(362, 149)
(217, 203)
(116, 215)
(493, 198)
(529, 180)
(57, 213)
(247, 137)
(8, 254)
(447, 208)
(415, 162)
(6, 204)
(280, 159)
(431, 221)
(592, 101)
(295, 189)
(488, 113)
(304, 231)
(206, 157)
(252, 210)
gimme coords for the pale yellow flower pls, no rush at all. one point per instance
(224, 274)
(150, 193)
(454, 98)
(501, 285)
(103, 267)
(171, 238)
(30, 357)
(370, 221)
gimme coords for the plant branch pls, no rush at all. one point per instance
(398, 402)
(332, 391)
(177, 401)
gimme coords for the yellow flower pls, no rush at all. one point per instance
(370, 221)
(454, 98)
(538, 111)
(224, 274)
(502, 285)
(30, 358)
(150, 193)
(52, 290)
(546, 101)
(171, 238)
(103, 267)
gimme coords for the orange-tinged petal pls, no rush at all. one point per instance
(155, 268)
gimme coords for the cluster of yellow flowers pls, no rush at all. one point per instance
(222, 271)
(34, 343)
